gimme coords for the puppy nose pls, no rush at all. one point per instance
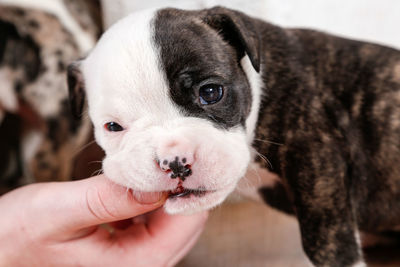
(176, 155)
(179, 167)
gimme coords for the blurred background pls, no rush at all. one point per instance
(370, 20)
(41, 141)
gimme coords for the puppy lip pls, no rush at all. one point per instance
(181, 192)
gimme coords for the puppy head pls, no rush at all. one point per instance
(171, 102)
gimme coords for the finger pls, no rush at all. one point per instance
(171, 235)
(75, 205)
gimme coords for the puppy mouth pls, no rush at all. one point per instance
(181, 192)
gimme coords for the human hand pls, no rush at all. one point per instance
(57, 224)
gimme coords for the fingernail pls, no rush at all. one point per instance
(148, 197)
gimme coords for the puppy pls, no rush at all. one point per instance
(183, 101)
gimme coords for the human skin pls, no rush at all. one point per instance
(62, 224)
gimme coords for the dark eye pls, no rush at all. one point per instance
(210, 93)
(113, 127)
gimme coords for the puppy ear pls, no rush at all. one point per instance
(238, 29)
(76, 89)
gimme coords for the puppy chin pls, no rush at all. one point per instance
(193, 204)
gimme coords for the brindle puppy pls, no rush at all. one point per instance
(333, 104)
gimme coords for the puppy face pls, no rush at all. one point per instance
(172, 105)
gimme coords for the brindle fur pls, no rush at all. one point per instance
(334, 105)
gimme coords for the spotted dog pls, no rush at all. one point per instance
(38, 135)
(184, 101)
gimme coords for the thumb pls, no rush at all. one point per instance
(70, 206)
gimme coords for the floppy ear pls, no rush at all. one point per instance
(76, 89)
(238, 29)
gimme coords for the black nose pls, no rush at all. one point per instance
(178, 168)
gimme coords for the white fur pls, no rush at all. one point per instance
(255, 81)
(361, 263)
(125, 84)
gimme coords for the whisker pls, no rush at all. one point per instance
(83, 148)
(97, 172)
(268, 142)
(264, 158)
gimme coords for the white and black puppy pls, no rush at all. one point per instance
(180, 99)
(166, 127)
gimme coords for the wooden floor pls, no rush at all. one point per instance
(251, 234)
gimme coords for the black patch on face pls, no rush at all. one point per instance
(193, 55)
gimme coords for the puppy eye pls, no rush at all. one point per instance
(210, 94)
(113, 127)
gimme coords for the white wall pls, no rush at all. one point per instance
(373, 20)
(115, 9)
